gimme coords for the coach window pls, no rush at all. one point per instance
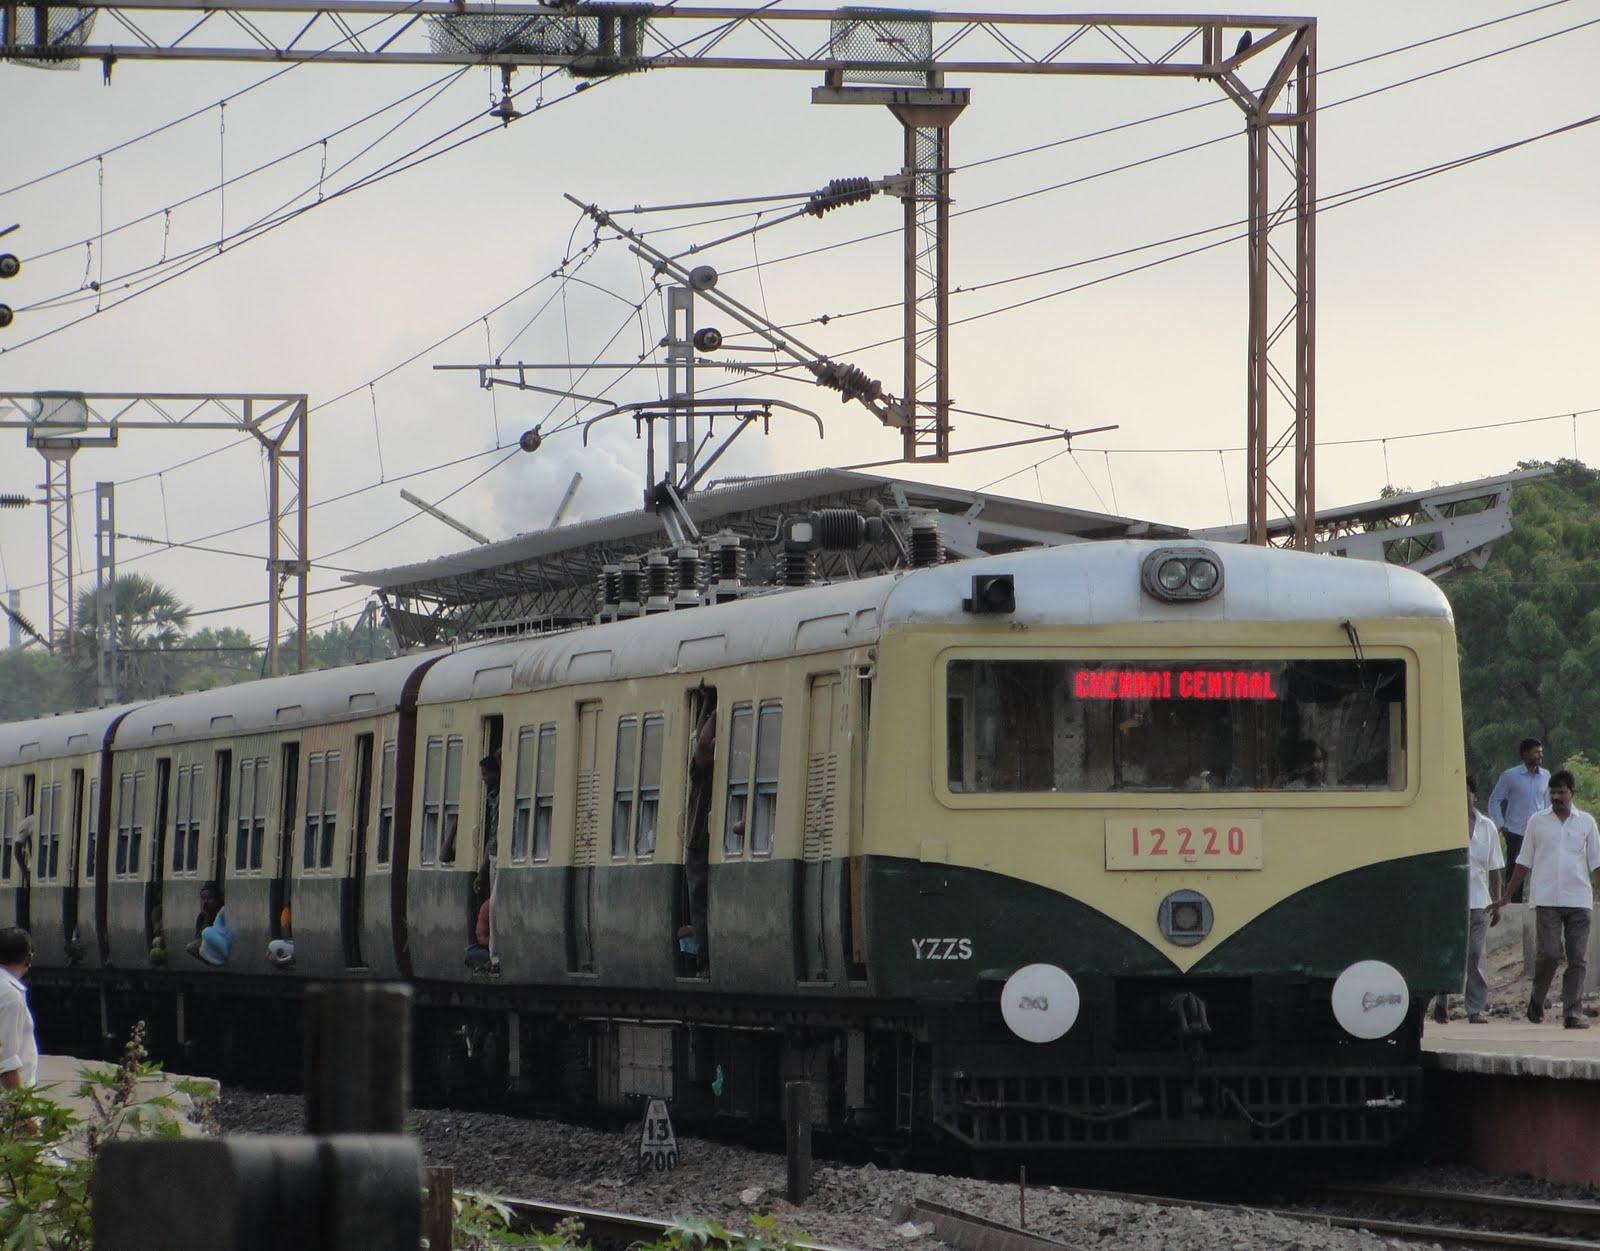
(432, 799)
(441, 800)
(736, 812)
(322, 803)
(189, 800)
(130, 830)
(626, 779)
(251, 828)
(644, 841)
(535, 793)
(544, 793)
(386, 803)
(49, 856)
(769, 737)
(453, 751)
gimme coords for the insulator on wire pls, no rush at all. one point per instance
(10, 500)
(838, 193)
(688, 577)
(659, 583)
(850, 381)
(927, 544)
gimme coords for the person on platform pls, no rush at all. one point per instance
(1484, 862)
(19, 1049)
(1560, 858)
(1522, 790)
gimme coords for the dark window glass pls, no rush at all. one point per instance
(1090, 726)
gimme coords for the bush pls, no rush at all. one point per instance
(48, 1152)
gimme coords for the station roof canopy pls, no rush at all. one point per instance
(547, 578)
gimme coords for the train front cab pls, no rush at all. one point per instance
(1092, 795)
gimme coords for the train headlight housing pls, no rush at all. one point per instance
(1181, 573)
(1185, 917)
(1371, 999)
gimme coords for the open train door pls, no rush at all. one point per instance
(353, 887)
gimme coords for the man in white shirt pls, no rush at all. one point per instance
(19, 1052)
(1560, 857)
(1484, 862)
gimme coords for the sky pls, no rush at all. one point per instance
(1457, 301)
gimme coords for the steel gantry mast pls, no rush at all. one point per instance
(896, 58)
(62, 423)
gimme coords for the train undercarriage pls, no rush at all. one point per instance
(908, 1077)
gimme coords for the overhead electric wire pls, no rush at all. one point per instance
(1212, 103)
(1178, 151)
(353, 36)
(240, 177)
(206, 248)
(384, 172)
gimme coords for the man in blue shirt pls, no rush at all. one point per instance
(1521, 791)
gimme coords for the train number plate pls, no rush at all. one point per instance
(1182, 840)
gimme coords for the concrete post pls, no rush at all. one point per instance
(797, 1114)
(358, 1057)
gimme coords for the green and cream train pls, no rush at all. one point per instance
(1108, 844)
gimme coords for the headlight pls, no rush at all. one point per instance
(1181, 573)
(1203, 575)
(1184, 917)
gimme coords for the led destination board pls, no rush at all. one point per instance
(1181, 684)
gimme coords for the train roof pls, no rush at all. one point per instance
(270, 704)
(1088, 584)
(1083, 584)
(49, 738)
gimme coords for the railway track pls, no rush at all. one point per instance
(1496, 1220)
(1513, 1220)
(606, 1230)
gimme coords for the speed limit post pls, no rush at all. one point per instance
(658, 1145)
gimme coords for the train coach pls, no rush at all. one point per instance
(1102, 845)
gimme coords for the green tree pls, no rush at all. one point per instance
(219, 657)
(34, 683)
(1528, 628)
(149, 621)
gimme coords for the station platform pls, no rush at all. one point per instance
(1511, 1097)
(59, 1081)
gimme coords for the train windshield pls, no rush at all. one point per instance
(1089, 726)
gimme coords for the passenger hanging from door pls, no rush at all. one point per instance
(210, 903)
(487, 876)
(693, 937)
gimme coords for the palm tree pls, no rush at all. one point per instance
(148, 621)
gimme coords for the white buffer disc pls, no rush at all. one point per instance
(1370, 999)
(1039, 1003)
